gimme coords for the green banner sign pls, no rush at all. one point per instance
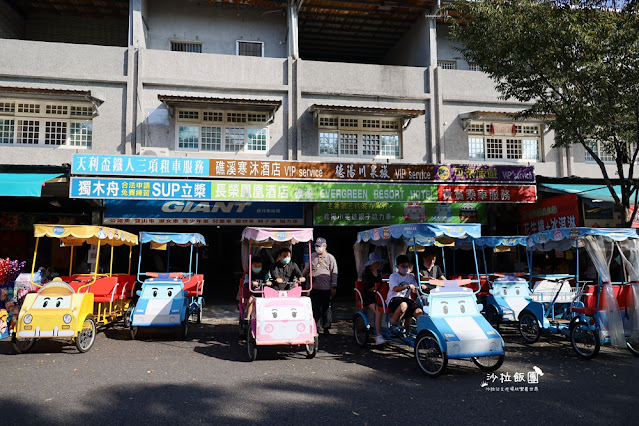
(383, 213)
(302, 191)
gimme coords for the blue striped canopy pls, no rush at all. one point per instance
(565, 238)
(175, 238)
(425, 234)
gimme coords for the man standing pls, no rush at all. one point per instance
(324, 282)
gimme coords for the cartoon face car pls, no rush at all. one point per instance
(508, 297)
(284, 318)
(453, 316)
(414, 212)
(161, 303)
(55, 311)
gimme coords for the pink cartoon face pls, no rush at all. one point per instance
(285, 320)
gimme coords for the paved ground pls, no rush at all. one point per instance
(206, 379)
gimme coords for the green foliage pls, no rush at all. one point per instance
(576, 62)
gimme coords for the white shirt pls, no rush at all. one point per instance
(398, 280)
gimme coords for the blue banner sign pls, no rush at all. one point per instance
(152, 189)
(139, 165)
(151, 212)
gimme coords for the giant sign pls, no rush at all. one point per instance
(153, 212)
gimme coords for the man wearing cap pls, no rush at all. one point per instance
(324, 282)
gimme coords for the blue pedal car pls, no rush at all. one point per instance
(452, 327)
(508, 298)
(169, 299)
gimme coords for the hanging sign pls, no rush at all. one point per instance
(551, 213)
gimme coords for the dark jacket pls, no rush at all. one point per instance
(285, 272)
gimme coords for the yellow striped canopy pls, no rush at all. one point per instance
(75, 235)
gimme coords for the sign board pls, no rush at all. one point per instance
(154, 212)
(551, 213)
(136, 165)
(382, 213)
(176, 189)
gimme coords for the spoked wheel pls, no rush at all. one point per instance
(584, 340)
(86, 336)
(22, 346)
(311, 349)
(428, 354)
(184, 328)
(529, 327)
(633, 348)
(134, 332)
(492, 316)
(127, 316)
(360, 331)
(488, 363)
(251, 346)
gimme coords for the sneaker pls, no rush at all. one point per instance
(396, 330)
(380, 340)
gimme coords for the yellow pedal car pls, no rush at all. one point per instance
(70, 308)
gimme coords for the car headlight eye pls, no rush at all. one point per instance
(66, 318)
(28, 318)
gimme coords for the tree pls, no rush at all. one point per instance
(576, 62)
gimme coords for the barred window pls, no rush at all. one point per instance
(45, 123)
(359, 136)
(188, 137)
(211, 139)
(249, 48)
(186, 46)
(447, 65)
(489, 141)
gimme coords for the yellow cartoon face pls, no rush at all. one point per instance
(44, 301)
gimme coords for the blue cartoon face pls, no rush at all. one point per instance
(510, 289)
(161, 291)
(453, 306)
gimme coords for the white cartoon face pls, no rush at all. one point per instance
(452, 306)
(160, 292)
(52, 302)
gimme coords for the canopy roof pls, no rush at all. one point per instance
(425, 234)
(173, 238)
(294, 235)
(73, 235)
(493, 242)
(565, 238)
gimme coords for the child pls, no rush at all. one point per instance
(259, 276)
(400, 284)
(283, 270)
(372, 278)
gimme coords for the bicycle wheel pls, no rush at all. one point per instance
(584, 340)
(428, 354)
(360, 331)
(488, 363)
(529, 327)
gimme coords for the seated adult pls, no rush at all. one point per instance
(400, 284)
(284, 271)
(372, 278)
(259, 277)
(427, 270)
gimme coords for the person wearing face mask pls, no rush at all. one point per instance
(427, 271)
(284, 270)
(400, 284)
(372, 278)
(324, 283)
(259, 276)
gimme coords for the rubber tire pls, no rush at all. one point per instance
(533, 320)
(134, 330)
(428, 337)
(311, 350)
(360, 331)
(184, 328)
(585, 355)
(78, 340)
(492, 316)
(633, 350)
(251, 346)
(17, 347)
(198, 319)
(127, 316)
(485, 367)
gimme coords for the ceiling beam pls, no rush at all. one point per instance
(391, 20)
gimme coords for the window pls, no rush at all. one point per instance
(359, 136)
(222, 131)
(45, 123)
(249, 48)
(186, 46)
(504, 141)
(447, 65)
(474, 67)
(598, 148)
